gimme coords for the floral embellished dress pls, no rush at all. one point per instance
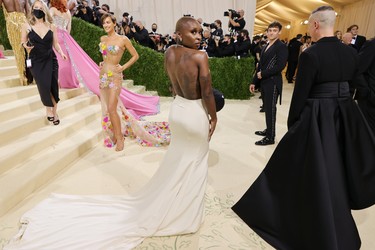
(144, 132)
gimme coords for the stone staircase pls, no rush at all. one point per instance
(32, 150)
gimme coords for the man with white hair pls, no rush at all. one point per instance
(347, 39)
(325, 164)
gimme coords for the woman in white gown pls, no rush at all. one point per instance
(173, 200)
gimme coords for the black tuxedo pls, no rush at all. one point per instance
(359, 41)
(272, 62)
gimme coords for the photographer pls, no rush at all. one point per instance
(243, 44)
(216, 26)
(99, 12)
(85, 12)
(224, 47)
(126, 24)
(208, 44)
(141, 35)
(236, 20)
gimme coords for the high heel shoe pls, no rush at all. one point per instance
(120, 143)
(50, 116)
(56, 120)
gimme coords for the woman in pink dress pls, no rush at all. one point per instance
(62, 20)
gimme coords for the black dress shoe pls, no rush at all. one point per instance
(261, 133)
(262, 110)
(265, 141)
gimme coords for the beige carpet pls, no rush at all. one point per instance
(234, 163)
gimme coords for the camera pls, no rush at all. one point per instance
(211, 25)
(80, 7)
(234, 13)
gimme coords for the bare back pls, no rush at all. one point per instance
(15, 5)
(184, 68)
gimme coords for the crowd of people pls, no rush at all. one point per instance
(324, 163)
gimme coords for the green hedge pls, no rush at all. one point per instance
(229, 75)
(3, 31)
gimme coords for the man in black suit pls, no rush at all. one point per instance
(357, 40)
(303, 200)
(293, 50)
(272, 61)
(366, 84)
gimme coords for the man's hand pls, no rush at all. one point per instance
(259, 75)
(252, 88)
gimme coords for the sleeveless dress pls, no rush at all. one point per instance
(44, 67)
(67, 76)
(171, 203)
(146, 133)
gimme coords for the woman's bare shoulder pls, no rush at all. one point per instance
(103, 38)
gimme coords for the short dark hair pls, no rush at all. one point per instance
(106, 5)
(299, 36)
(256, 37)
(245, 32)
(322, 8)
(275, 24)
(96, 2)
(105, 15)
(351, 27)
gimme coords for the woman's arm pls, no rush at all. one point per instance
(129, 46)
(56, 44)
(24, 33)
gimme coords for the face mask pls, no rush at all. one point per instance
(154, 30)
(137, 28)
(38, 13)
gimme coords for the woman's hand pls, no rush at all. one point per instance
(28, 48)
(101, 65)
(119, 68)
(63, 56)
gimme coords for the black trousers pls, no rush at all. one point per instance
(269, 97)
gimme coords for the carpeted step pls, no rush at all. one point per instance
(31, 103)
(8, 61)
(10, 81)
(8, 71)
(41, 167)
(22, 125)
(20, 150)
